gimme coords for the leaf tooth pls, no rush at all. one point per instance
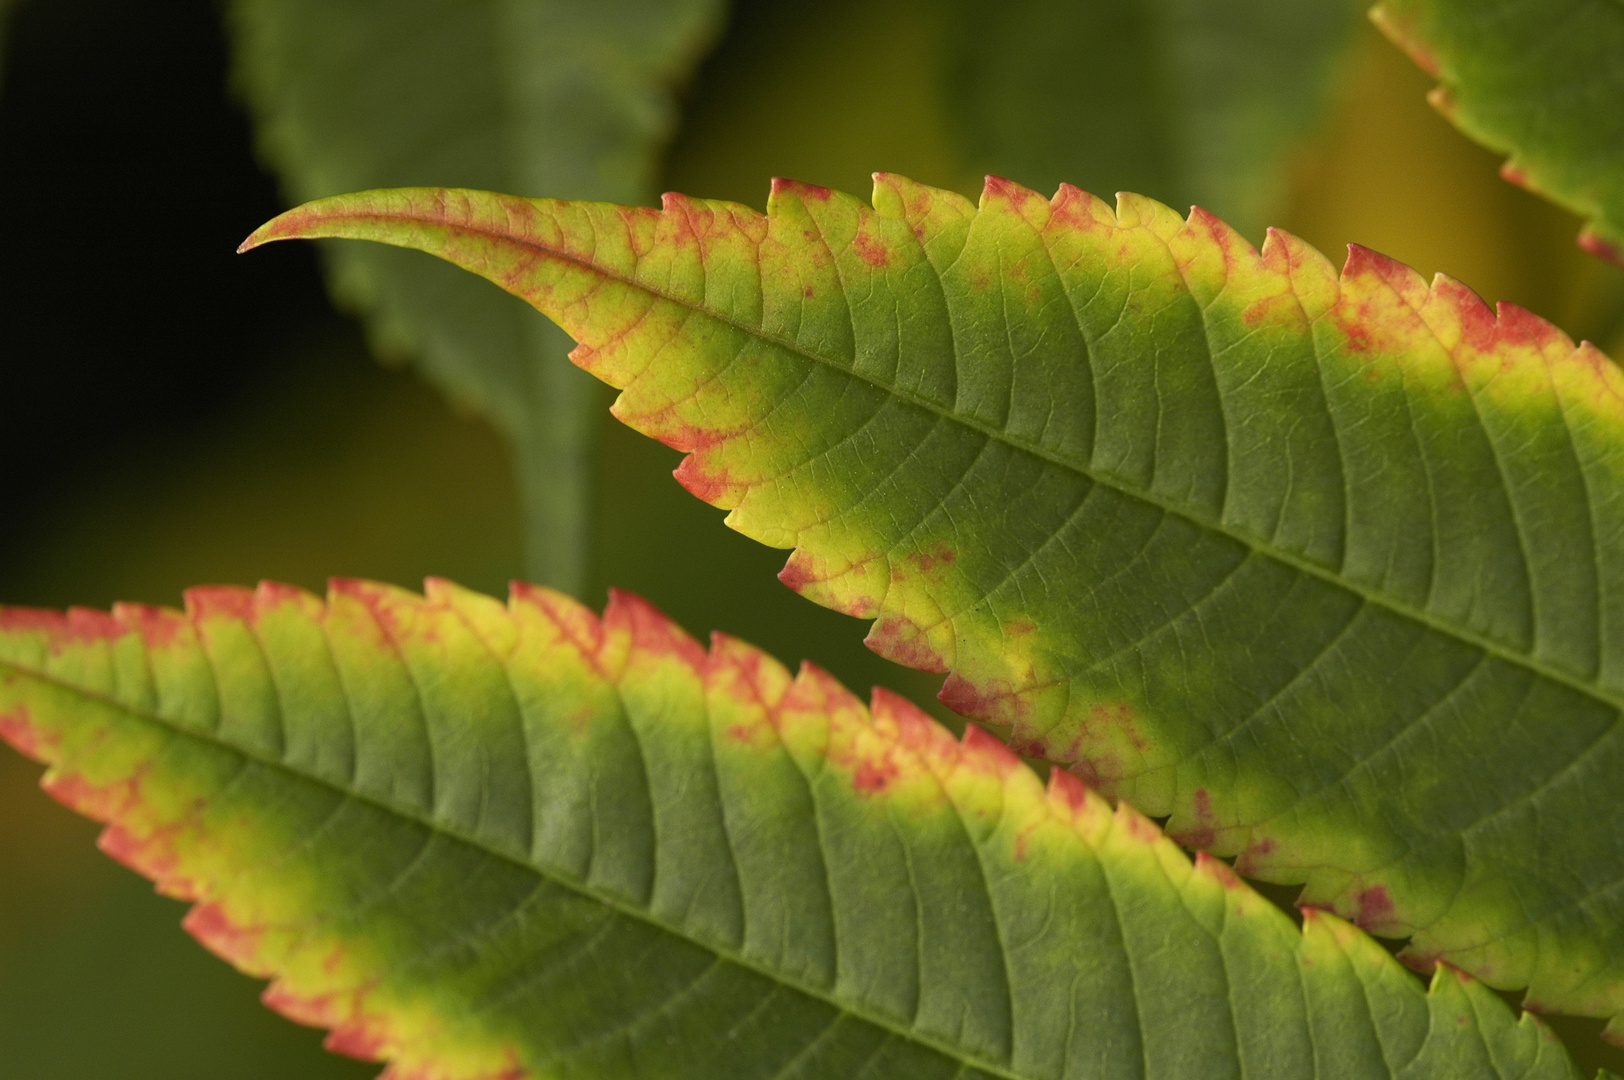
(489, 618)
(208, 602)
(815, 691)
(234, 942)
(649, 633)
(1367, 264)
(1134, 211)
(784, 188)
(159, 627)
(1076, 208)
(1592, 241)
(1313, 277)
(545, 619)
(742, 670)
(1401, 32)
(926, 648)
(911, 728)
(1005, 196)
(854, 589)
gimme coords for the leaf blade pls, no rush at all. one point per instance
(442, 920)
(1378, 509)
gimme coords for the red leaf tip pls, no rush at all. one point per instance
(651, 630)
(1591, 241)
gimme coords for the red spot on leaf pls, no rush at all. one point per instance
(1120, 716)
(399, 614)
(363, 1038)
(158, 626)
(274, 594)
(18, 729)
(575, 622)
(689, 437)
(1137, 825)
(651, 631)
(873, 777)
(21, 620)
(800, 189)
(710, 486)
(101, 802)
(1072, 792)
(1516, 325)
(931, 564)
(1218, 871)
(900, 639)
(221, 935)
(1476, 320)
(352, 1032)
(220, 602)
(79, 626)
(1591, 241)
(871, 250)
(1231, 244)
(1249, 859)
(797, 572)
(995, 702)
(996, 187)
(1203, 834)
(1374, 908)
(982, 747)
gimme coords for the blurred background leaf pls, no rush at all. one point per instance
(1188, 101)
(1541, 83)
(570, 98)
(175, 414)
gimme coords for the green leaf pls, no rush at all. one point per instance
(568, 97)
(1191, 100)
(1326, 568)
(1540, 81)
(517, 841)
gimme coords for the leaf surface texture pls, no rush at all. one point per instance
(484, 840)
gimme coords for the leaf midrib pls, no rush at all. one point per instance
(550, 874)
(1104, 479)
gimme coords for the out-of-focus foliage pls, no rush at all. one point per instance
(567, 97)
(1188, 101)
(1540, 80)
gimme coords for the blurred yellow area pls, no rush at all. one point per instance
(340, 466)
